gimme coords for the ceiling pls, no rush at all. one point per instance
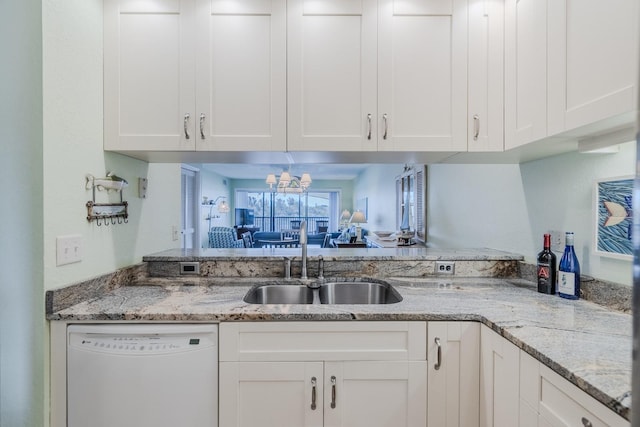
(317, 171)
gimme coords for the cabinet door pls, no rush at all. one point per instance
(149, 64)
(593, 55)
(422, 85)
(241, 75)
(564, 405)
(375, 394)
(332, 76)
(270, 394)
(485, 115)
(525, 71)
(499, 380)
(454, 383)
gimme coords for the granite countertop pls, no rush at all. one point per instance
(585, 343)
(415, 253)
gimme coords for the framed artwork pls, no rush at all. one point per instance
(614, 222)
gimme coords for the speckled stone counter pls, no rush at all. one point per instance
(586, 343)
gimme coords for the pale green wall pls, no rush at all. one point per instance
(378, 184)
(73, 128)
(510, 207)
(22, 324)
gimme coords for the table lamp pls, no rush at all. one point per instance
(344, 218)
(358, 218)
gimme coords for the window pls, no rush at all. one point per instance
(281, 211)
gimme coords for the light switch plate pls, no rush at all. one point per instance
(68, 249)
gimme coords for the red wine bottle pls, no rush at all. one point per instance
(569, 271)
(547, 268)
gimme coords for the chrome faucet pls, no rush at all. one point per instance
(303, 244)
(320, 268)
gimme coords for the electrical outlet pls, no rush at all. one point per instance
(175, 234)
(445, 267)
(68, 249)
(557, 241)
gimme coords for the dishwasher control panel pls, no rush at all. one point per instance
(140, 343)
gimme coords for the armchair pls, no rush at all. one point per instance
(224, 237)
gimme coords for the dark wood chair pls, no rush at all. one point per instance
(322, 226)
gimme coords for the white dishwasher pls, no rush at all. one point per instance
(142, 375)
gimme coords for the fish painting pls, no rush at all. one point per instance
(111, 182)
(617, 213)
(615, 222)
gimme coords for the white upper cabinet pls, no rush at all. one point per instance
(422, 80)
(149, 64)
(525, 71)
(195, 75)
(332, 75)
(593, 55)
(241, 75)
(485, 115)
(568, 64)
(377, 76)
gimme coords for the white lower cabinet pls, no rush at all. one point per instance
(453, 352)
(323, 374)
(550, 400)
(499, 381)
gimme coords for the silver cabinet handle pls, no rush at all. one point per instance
(476, 127)
(313, 393)
(186, 125)
(333, 392)
(439, 361)
(586, 422)
(202, 116)
(386, 127)
(369, 121)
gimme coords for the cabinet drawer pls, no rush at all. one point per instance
(309, 341)
(563, 404)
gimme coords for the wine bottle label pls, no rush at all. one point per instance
(546, 278)
(544, 271)
(566, 283)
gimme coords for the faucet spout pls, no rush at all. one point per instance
(303, 244)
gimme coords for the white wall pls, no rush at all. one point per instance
(73, 128)
(510, 207)
(378, 184)
(22, 326)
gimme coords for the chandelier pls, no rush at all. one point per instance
(289, 184)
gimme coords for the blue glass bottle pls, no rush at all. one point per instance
(569, 271)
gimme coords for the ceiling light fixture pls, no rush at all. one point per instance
(288, 184)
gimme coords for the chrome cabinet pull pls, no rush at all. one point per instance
(202, 116)
(369, 121)
(313, 393)
(586, 422)
(186, 125)
(439, 361)
(333, 392)
(476, 127)
(386, 127)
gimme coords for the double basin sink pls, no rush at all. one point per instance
(331, 292)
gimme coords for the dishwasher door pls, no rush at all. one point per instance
(142, 375)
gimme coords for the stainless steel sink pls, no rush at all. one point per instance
(358, 293)
(336, 292)
(279, 294)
